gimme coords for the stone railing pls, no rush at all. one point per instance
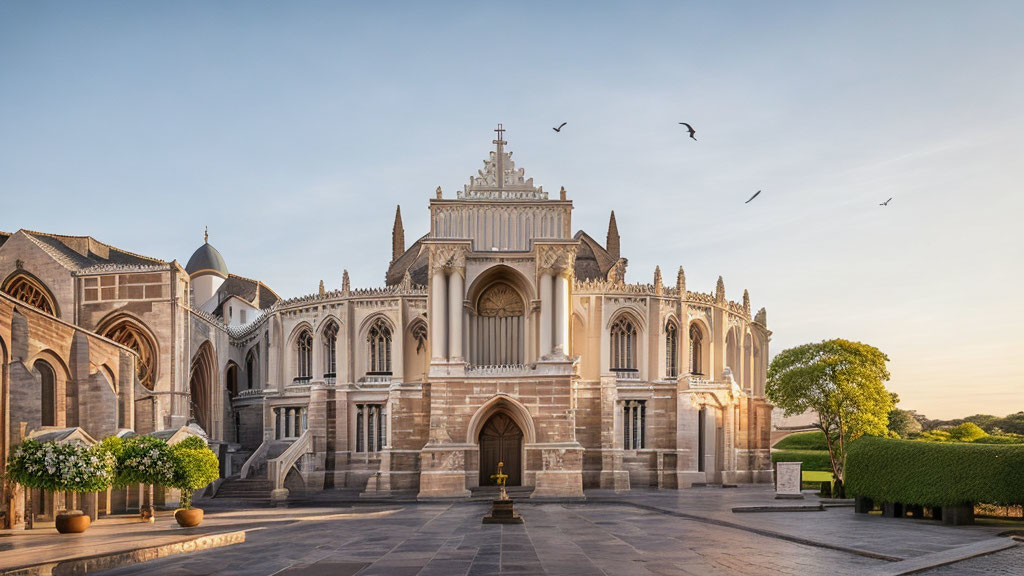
(498, 370)
(256, 456)
(277, 468)
(250, 393)
(376, 379)
(626, 375)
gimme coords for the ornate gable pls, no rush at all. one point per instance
(500, 180)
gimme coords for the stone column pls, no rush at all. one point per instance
(545, 313)
(282, 427)
(561, 344)
(455, 298)
(438, 328)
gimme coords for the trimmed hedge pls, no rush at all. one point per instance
(813, 459)
(803, 441)
(932, 474)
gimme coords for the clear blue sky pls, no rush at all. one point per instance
(293, 130)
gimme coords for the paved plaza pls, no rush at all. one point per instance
(657, 532)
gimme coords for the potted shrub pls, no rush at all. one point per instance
(141, 460)
(195, 466)
(57, 467)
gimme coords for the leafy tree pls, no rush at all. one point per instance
(140, 460)
(902, 423)
(841, 381)
(195, 466)
(966, 432)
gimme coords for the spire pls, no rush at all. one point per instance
(322, 291)
(612, 244)
(746, 301)
(658, 288)
(681, 282)
(720, 290)
(397, 236)
(761, 317)
(206, 235)
(346, 287)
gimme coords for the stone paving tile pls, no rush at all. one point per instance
(1008, 562)
(558, 539)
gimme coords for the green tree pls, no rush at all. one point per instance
(195, 466)
(902, 423)
(966, 432)
(842, 382)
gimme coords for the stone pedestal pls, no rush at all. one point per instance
(503, 512)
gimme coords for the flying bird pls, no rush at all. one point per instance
(886, 203)
(752, 197)
(690, 128)
(560, 126)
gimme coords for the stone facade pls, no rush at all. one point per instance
(500, 336)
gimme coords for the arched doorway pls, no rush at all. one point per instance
(501, 440)
(202, 383)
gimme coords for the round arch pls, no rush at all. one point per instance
(26, 287)
(131, 332)
(698, 334)
(502, 403)
(500, 273)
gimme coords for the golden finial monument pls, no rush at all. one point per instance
(502, 509)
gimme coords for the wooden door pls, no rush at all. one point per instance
(501, 440)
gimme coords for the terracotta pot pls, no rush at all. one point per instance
(72, 522)
(188, 518)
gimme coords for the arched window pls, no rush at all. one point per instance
(48, 392)
(32, 292)
(330, 339)
(671, 350)
(252, 363)
(129, 334)
(419, 333)
(304, 355)
(696, 350)
(232, 379)
(496, 330)
(378, 340)
(623, 337)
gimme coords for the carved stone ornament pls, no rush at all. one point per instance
(617, 273)
(558, 259)
(450, 258)
(500, 301)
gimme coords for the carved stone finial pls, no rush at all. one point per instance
(761, 317)
(322, 291)
(658, 288)
(617, 273)
(612, 242)
(681, 282)
(746, 301)
(206, 235)
(346, 286)
(720, 290)
(406, 283)
(561, 193)
(438, 192)
(397, 236)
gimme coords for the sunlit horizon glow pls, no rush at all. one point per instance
(292, 131)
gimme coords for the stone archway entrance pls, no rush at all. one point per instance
(501, 440)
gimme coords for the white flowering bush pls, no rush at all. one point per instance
(61, 467)
(140, 460)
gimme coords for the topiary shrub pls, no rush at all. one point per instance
(140, 460)
(195, 466)
(60, 467)
(934, 474)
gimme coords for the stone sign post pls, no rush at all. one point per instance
(787, 480)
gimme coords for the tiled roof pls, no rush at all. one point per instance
(252, 291)
(415, 260)
(592, 261)
(81, 252)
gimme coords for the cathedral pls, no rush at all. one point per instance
(499, 336)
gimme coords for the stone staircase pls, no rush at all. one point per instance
(245, 489)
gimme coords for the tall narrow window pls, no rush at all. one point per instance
(623, 341)
(48, 390)
(701, 437)
(671, 350)
(251, 369)
(378, 340)
(634, 413)
(696, 350)
(304, 353)
(371, 427)
(330, 339)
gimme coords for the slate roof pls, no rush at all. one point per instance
(592, 261)
(252, 291)
(206, 257)
(82, 252)
(416, 260)
(3, 237)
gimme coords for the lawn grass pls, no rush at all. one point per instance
(803, 441)
(814, 460)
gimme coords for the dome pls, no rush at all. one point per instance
(206, 260)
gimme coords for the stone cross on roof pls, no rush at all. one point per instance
(499, 179)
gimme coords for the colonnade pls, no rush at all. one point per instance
(291, 422)
(447, 292)
(554, 311)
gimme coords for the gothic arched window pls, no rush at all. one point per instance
(304, 355)
(671, 350)
(32, 292)
(696, 350)
(48, 392)
(252, 363)
(129, 334)
(378, 340)
(623, 339)
(330, 339)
